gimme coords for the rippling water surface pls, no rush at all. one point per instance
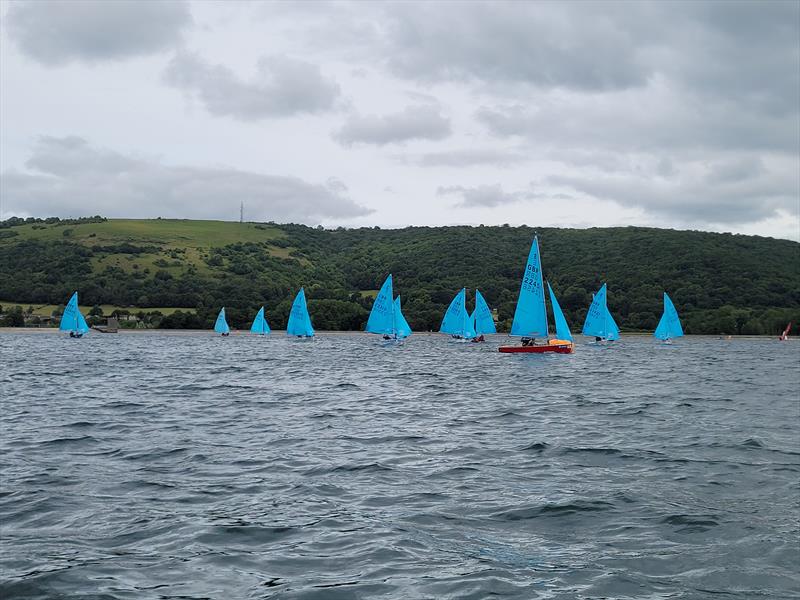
(191, 466)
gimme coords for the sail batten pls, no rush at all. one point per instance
(562, 328)
(221, 325)
(530, 316)
(299, 320)
(670, 324)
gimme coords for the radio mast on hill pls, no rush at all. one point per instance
(241, 212)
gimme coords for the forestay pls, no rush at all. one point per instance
(403, 329)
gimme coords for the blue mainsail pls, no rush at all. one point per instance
(530, 318)
(403, 330)
(221, 326)
(482, 316)
(260, 325)
(72, 319)
(599, 322)
(382, 316)
(299, 322)
(562, 329)
(456, 320)
(670, 325)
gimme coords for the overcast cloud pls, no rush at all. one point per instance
(65, 175)
(651, 113)
(55, 32)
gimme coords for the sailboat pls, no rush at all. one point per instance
(481, 318)
(386, 318)
(72, 320)
(599, 322)
(669, 326)
(299, 324)
(785, 335)
(457, 320)
(530, 317)
(221, 326)
(260, 326)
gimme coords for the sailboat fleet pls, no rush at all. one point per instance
(530, 322)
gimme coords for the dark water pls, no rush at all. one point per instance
(175, 466)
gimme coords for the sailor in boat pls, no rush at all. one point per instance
(526, 341)
(480, 338)
(75, 334)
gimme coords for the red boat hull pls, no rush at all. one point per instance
(559, 349)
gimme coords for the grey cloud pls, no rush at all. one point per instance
(413, 123)
(282, 87)
(728, 192)
(56, 32)
(68, 177)
(483, 195)
(470, 157)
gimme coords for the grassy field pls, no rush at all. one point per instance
(170, 233)
(45, 310)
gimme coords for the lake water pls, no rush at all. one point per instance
(192, 466)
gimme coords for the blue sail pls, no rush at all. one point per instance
(670, 325)
(613, 329)
(72, 319)
(382, 316)
(598, 320)
(403, 330)
(299, 322)
(562, 329)
(482, 316)
(456, 320)
(260, 325)
(221, 326)
(530, 318)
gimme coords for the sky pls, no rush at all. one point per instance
(568, 114)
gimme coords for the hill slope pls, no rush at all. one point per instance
(719, 282)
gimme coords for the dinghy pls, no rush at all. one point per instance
(669, 327)
(221, 326)
(72, 320)
(260, 326)
(530, 317)
(386, 318)
(481, 318)
(599, 322)
(457, 321)
(299, 324)
(785, 335)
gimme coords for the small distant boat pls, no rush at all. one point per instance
(481, 318)
(386, 318)
(299, 324)
(785, 335)
(260, 326)
(599, 322)
(221, 326)
(530, 317)
(457, 321)
(72, 320)
(669, 327)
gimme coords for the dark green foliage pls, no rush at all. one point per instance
(720, 283)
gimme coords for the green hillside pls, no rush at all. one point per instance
(721, 283)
